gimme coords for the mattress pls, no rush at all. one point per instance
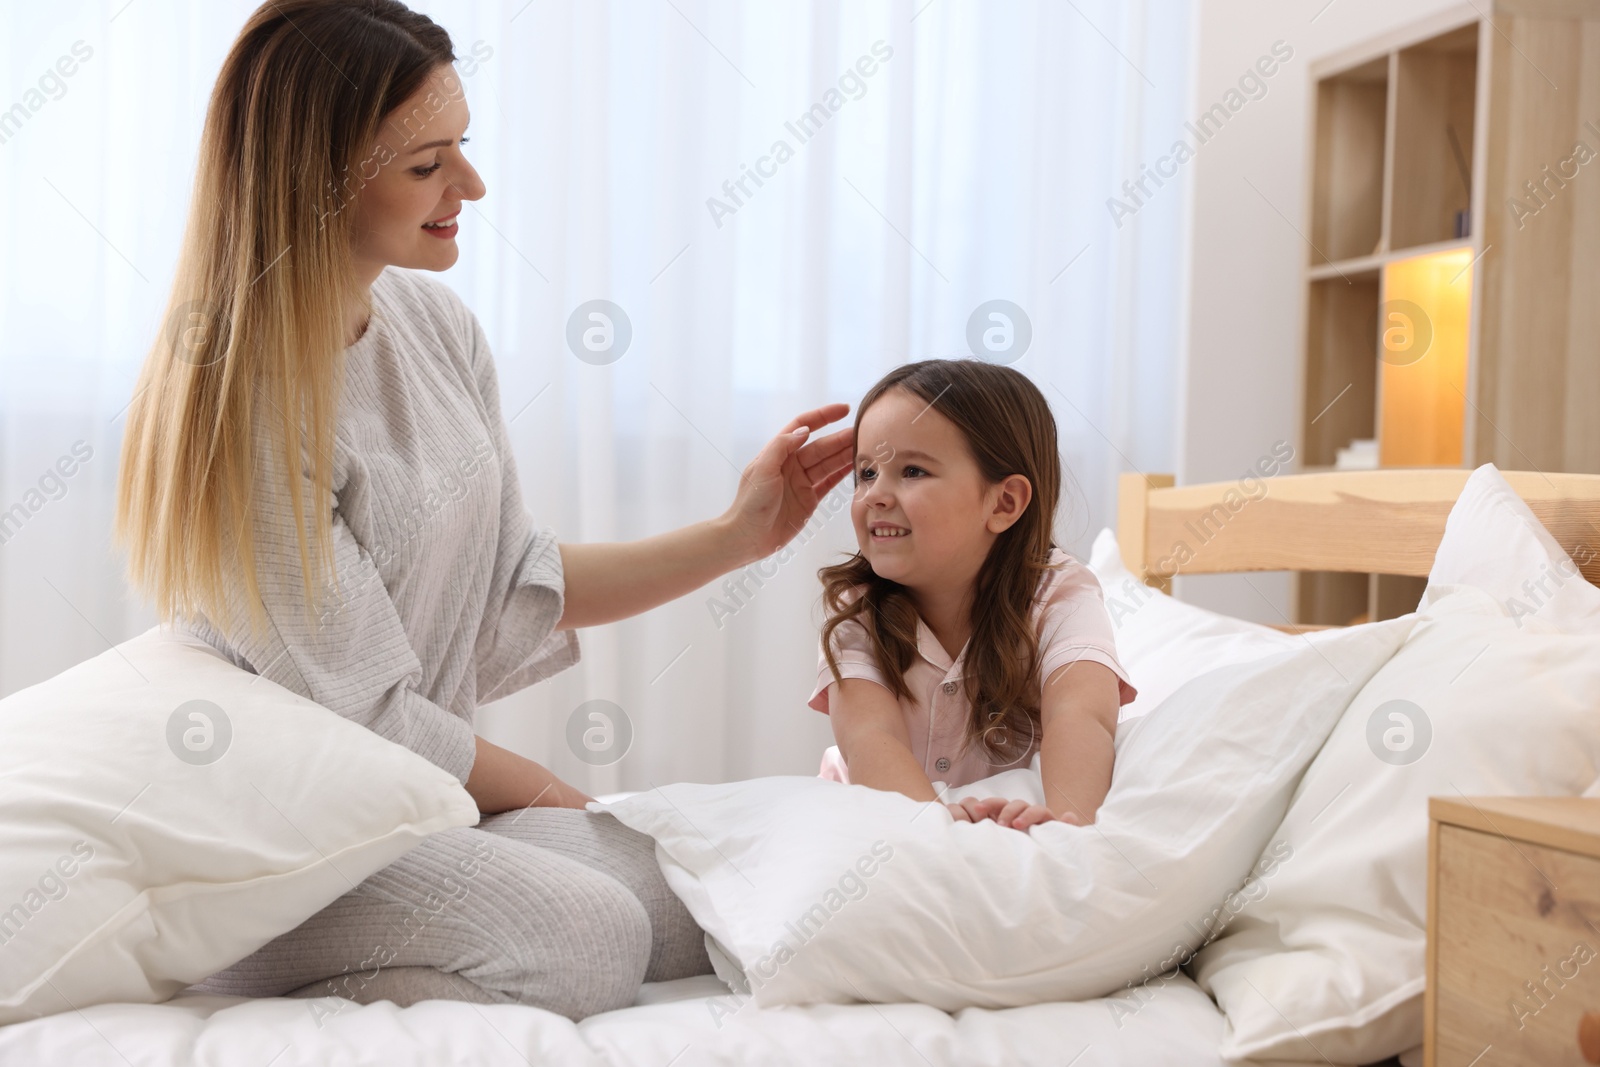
(674, 1024)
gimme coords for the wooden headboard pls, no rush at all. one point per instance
(1382, 521)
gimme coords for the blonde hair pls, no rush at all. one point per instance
(251, 356)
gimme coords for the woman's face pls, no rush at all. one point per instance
(421, 177)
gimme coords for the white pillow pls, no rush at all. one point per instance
(1494, 542)
(817, 891)
(1162, 642)
(1330, 961)
(146, 848)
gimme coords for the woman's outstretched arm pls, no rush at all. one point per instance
(777, 493)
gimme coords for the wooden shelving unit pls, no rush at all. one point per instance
(1452, 287)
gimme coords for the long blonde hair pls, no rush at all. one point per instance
(252, 349)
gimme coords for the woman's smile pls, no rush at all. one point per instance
(445, 227)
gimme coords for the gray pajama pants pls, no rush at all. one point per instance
(554, 907)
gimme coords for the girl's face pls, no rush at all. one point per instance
(923, 513)
(420, 176)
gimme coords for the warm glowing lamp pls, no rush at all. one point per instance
(1422, 383)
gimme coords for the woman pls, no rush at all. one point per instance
(317, 479)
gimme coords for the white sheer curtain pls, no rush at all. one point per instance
(973, 163)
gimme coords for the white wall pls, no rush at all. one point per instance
(1241, 387)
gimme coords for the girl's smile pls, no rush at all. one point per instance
(883, 532)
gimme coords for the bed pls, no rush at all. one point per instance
(1385, 521)
(671, 1025)
(1381, 522)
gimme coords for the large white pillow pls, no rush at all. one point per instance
(1494, 542)
(1163, 642)
(164, 814)
(817, 891)
(1489, 696)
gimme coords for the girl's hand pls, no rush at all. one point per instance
(781, 487)
(1016, 814)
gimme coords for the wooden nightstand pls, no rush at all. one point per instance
(1513, 932)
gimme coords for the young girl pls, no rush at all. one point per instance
(959, 640)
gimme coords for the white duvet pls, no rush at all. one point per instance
(674, 1025)
(815, 892)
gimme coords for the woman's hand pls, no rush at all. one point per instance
(781, 487)
(560, 794)
(501, 780)
(1017, 814)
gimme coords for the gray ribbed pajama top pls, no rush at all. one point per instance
(449, 595)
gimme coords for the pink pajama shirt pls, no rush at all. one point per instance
(1072, 624)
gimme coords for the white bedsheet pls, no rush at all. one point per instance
(673, 1024)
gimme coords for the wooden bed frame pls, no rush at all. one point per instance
(1381, 521)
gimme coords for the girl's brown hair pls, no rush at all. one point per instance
(252, 350)
(1009, 429)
